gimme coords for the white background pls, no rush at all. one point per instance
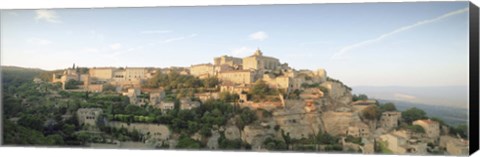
(52, 152)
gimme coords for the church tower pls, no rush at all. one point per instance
(258, 52)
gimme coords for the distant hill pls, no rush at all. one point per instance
(451, 96)
(9, 73)
(451, 115)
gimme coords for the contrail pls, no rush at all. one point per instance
(401, 29)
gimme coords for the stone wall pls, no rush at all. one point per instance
(255, 135)
(238, 77)
(202, 69)
(337, 123)
(156, 131)
(338, 92)
(101, 73)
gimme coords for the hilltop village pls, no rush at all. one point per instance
(255, 102)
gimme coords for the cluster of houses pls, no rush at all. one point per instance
(410, 142)
(237, 75)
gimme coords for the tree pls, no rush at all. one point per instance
(210, 82)
(205, 131)
(461, 130)
(228, 97)
(109, 87)
(413, 114)
(325, 138)
(248, 116)
(227, 144)
(274, 144)
(416, 128)
(359, 97)
(388, 107)
(286, 138)
(55, 139)
(260, 90)
(186, 142)
(356, 140)
(31, 121)
(371, 113)
(72, 84)
(19, 135)
(83, 136)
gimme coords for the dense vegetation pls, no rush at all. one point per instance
(175, 80)
(260, 91)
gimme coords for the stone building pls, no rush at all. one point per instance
(231, 88)
(118, 74)
(458, 147)
(132, 94)
(358, 130)
(187, 104)
(68, 74)
(135, 73)
(283, 82)
(166, 106)
(453, 145)
(206, 96)
(259, 62)
(88, 116)
(227, 60)
(204, 70)
(389, 120)
(401, 145)
(101, 73)
(432, 128)
(156, 97)
(237, 76)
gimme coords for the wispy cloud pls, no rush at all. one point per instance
(179, 38)
(47, 15)
(348, 48)
(115, 46)
(116, 49)
(39, 41)
(258, 36)
(155, 32)
(241, 51)
(401, 96)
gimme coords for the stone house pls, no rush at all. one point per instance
(156, 97)
(202, 69)
(389, 120)
(453, 145)
(227, 60)
(232, 88)
(458, 147)
(88, 116)
(401, 145)
(283, 82)
(358, 130)
(237, 76)
(187, 104)
(206, 96)
(166, 106)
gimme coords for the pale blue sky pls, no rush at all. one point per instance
(380, 44)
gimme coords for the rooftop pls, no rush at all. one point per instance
(427, 121)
